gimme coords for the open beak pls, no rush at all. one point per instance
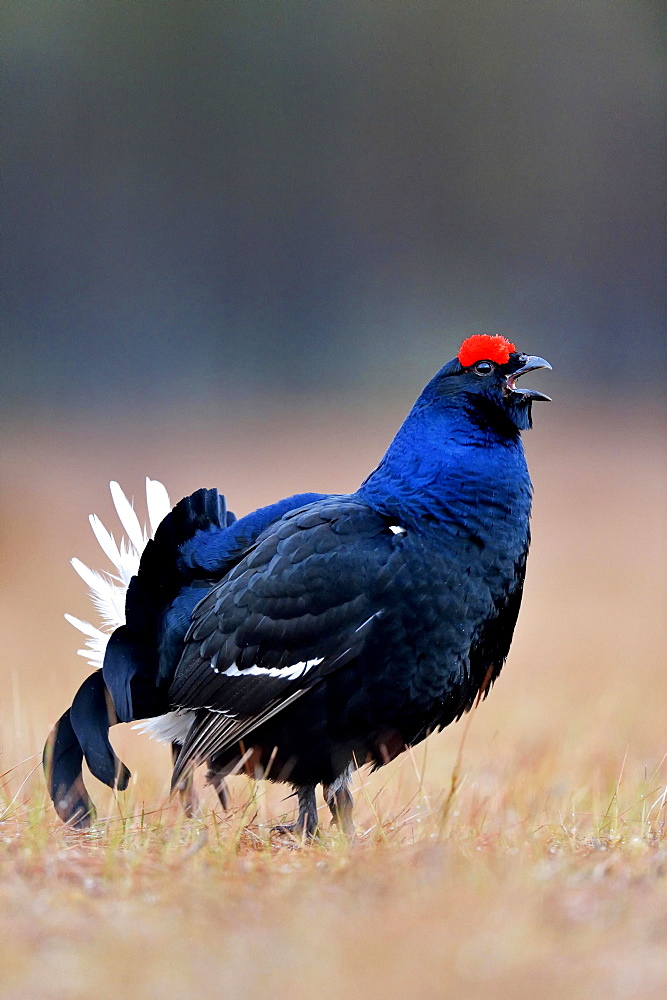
(531, 364)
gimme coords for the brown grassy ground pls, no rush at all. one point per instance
(543, 876)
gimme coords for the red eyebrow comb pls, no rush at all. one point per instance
(484, 347)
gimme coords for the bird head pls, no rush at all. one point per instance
(482, 379)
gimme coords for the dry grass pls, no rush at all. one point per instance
(544, 875)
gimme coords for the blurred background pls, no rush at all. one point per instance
(239, 237)
(215, 199)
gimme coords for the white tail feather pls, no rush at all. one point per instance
(128, 518)
(124, 557)
(107, 596)
(107, 543)
(107, 590)
(96, 641)
(158, 503)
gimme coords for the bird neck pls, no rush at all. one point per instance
(447, 465)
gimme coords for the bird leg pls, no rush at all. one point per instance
(186, 790)
(220, 786)
(339, 799)
(306, 823)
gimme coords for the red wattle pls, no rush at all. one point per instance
(484, 347)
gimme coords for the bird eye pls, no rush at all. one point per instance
(483, 368)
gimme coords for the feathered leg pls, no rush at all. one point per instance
(339, 799)
(186, 789)
(220, 786)
(306, 823)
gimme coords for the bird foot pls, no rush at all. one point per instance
(299, 831)
(306, 824)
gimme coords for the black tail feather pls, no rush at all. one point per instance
(83, 731)
(161, 572)
(91, 715)
(62, 760)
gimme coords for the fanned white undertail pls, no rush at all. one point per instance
(107, 590)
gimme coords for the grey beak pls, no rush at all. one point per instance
(531, 363)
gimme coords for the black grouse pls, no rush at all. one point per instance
(324, 632)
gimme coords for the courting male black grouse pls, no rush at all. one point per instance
(324, 631)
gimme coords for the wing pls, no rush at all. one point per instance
(301, 604)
